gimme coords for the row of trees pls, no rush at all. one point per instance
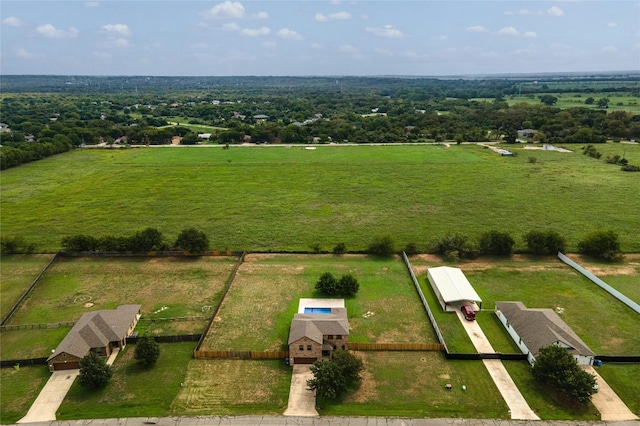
(329, 285)
(150, 239)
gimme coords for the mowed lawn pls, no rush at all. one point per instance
(17, 272)
(30, 343)
(164, 286)
(257, 311)
(234, 387)
(623, 276)
(18, 389)
(412, 384)
(281, 198)
(133, 391)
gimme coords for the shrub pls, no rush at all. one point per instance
(78, 243)
(496, 242)
(147, 240)
(591, 151)
(192, 240)
(455, 246)
(147, 351)
(327, 284)
(348, 285)
(601, 244)
(544, 242)
(15, 245)
(630, 168)
(340, 248)
(94, 371)
(333, 378)
(382, 246)
(411, 249)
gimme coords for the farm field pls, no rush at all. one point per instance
(165, 287)
(258, 309)
(234, 387)
(133, 391)
(18, 389)
(618, 102)
(607, 326)
(17, 272)
(279, 198)
(30, 343)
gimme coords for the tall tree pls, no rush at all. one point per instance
(94, 371)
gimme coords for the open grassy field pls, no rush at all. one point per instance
(412, 384)
(257, 312)
(623, 378)
(279, 198)
(133, 391)
(234, 387)
(624, 277)
(18, 389)
(182, 285)
(17, 272)
(617, 102)
(25, 344)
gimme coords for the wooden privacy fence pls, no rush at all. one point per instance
(206, 354)
(396, 346)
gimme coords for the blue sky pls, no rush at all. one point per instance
(155, 37)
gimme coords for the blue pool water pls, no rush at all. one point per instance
(317, 310)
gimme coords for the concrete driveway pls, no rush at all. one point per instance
(607, 401)
(518, 406)
(48, 401)
(302, 401)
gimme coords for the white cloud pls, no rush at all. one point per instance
(525, 12)
(439, 37)
(530, 34)
(336, 2)
(121, 30)
(102, 55)
(612, 24)
(199, 46)
(12, 21)
(115, 43)
(338, 16)
(508, 31)
(315, 46)
(256, 32)
(288, 34)
(477, 29)
(347, 48)
(610, 49)
(231, 26)
(384, 52)
(92, 4)
(226, 10)
(49, 31)
(387, 31)
(25, 54)
(261, 15)
(555, 11)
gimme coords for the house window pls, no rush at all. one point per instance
(339, 337)
(343, 347)
(330, 337)
(301, 347)
(308, 347)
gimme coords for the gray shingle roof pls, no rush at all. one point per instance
(541, 327)
(314, 326)
(96, 329)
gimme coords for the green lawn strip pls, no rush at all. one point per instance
(234, 387)
(606, 325)
(623, 379)
(499, 338)
(165, 287)
(279, 198)
(412, 384)
(18, 389)
(17, 273)
(548, 405)
(627, 285)
(257, 312)
(30, 343)
(133, 391)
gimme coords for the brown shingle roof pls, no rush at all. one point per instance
(314, 326)
(541, 327)
(96, 329)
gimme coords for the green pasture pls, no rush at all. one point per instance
(18, 389)
(617, 102)
(133, 391)
(281, 198)
(166, 287)
(412, 384)
(17, 272)
(257, 311)
(30, 343)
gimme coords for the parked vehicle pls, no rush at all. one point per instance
(469, 313)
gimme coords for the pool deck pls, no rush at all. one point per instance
(319, 303)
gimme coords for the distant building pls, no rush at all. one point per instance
(452, 288)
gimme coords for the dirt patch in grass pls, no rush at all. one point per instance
(367, 390)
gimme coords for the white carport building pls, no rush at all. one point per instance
(452, 288)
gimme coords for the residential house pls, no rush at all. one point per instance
(314, 335)
(98, 331)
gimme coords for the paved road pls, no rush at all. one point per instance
(607, 401)
(48, 401)
(302, 401)
(518, 406)
(321, 421)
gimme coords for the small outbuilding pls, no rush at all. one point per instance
(452, 288)
(532, 329)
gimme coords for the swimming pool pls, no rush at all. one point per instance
(317, 310)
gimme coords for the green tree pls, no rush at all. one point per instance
(548, 100)
(603, 103)
(589, 101)
(555, 366)
(78, 243)
(601, 244)
(94, 371)
(327, 284)
(455, 246)
(382, 246)
(192, 240)
(496, 242)
(544, 242)
(333, 378)
(348, 285)
(340, 248)
(147, 240)
(147, 351)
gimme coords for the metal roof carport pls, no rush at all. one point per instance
(452, 288)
